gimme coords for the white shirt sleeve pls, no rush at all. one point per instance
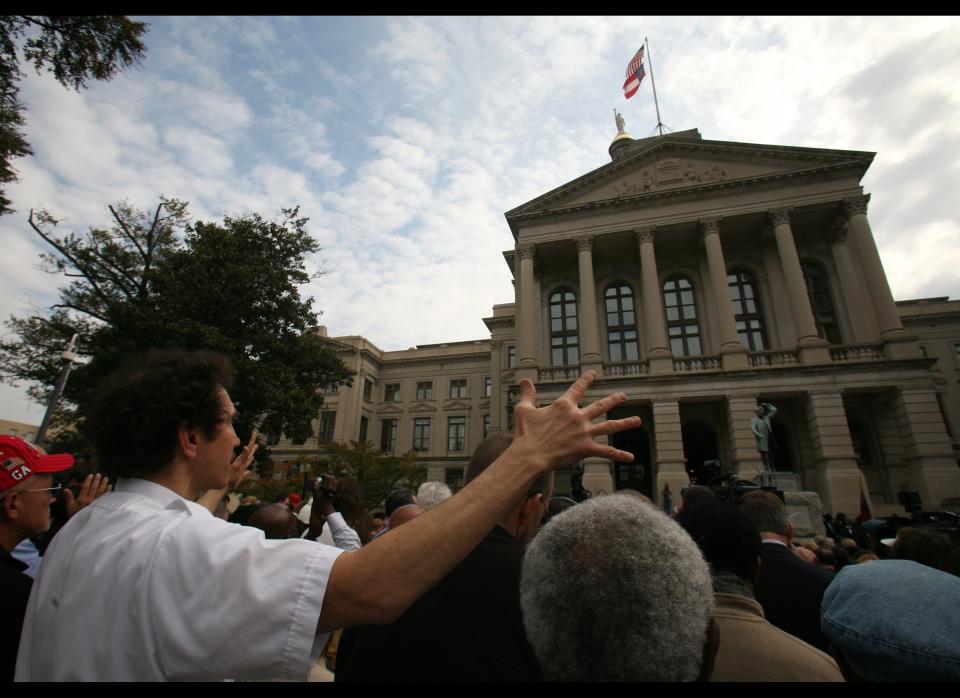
(227, 603)
(344, 537)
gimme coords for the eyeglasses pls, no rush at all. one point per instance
(52, 490)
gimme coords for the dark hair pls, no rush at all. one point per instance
(397, 498)
(926, 546)
(725, 536)
(827, 556)
(491, 448)
(697, 494)
(765, 511)
(137, 410)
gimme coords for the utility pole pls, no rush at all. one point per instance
(70, 357)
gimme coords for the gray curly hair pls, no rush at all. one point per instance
(614, 590)
(432, 493)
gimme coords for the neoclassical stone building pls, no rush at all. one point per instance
(699, 277)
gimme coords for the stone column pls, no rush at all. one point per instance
(839, 478)
(589, 327)
(786, 331)
(927, 450)
(496, 396)
(741, 409)
(859, 307)
(654, 323)
(811, 347)
(899, 345)
(670, 459)
(526, 328)
(732, 352)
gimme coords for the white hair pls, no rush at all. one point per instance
(614, 590)
(432, 493)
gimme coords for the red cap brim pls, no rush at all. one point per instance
(52, 463)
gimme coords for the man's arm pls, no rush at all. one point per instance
(378, 582)
(322, 512)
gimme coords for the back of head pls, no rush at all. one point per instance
(766, 512)
(432, 493)
(694, 495)
(895, 620)
(614, 590)
(276, 521)
(403, 514)
(488, 450)
(397, 498)
(725, 536)
(926, 546)
(137, 410)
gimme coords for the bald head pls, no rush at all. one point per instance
(403, 514)
(276, 521)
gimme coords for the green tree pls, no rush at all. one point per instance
(156, 281)
(73, 48)
(377, 472)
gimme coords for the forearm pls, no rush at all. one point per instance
(377, 583)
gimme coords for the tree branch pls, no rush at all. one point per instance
(126, 230)
(85, 311)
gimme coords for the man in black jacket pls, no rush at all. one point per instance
(469, 626)
(789, 589)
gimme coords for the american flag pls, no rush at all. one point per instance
(635, 74)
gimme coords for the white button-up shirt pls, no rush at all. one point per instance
(144, 585)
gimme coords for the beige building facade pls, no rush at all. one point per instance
(700, 278)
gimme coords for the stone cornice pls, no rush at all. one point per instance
(701, 191)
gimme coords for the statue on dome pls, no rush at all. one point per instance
(621, 125)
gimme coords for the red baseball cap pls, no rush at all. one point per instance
(20, 459)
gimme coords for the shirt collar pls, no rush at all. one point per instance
(157, 493)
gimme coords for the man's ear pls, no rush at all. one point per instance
(531, 506)
(10, 506)
(187, 440)
(790, 531)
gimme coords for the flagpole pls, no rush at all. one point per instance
(653, 82)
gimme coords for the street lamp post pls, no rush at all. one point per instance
(69, 356)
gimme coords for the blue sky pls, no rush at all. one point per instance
(404, 139)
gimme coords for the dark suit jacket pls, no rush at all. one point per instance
(466, 628)
(14, 593)
(790, 591)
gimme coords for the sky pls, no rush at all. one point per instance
(405, 139)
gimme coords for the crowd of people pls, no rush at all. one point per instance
(165, 576)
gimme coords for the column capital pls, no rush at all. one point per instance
(837, 235)
(496, 344)
(645, 233)
(710, 226)
(854, 205)
(779, 216)
(526, 251)
(584, 242)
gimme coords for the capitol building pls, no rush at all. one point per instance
(699, 277)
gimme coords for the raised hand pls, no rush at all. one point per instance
(93, 486)
(563, 432)
(240, 467)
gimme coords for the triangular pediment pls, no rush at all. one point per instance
(664, 165)
(422, 407)
(456, 405)
(390, 408)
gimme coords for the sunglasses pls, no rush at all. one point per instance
(52, 490)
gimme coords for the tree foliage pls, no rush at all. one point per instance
(377, 472)
(74, 48)
(156, 281)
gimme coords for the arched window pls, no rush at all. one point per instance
(682, 326)
(818, 290)
(564, 343)
(746, 310)
(621, 323)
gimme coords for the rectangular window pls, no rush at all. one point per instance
(367, 389)
(363, 429)
(486, 425)
(391, 392)
(454, 478)
(456, 433)
(388, 435)
(487, 386)
(458, 387)
(421, 434)
(328, 419)
(425, 390)
(511, 357)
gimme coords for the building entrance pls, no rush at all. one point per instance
(637, 475)
(700, 449)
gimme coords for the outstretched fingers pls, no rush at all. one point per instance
(576, 391)
(604, 405)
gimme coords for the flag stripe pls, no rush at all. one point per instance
(634, 65)
(632, 84)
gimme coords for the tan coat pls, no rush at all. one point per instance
(753, 650)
